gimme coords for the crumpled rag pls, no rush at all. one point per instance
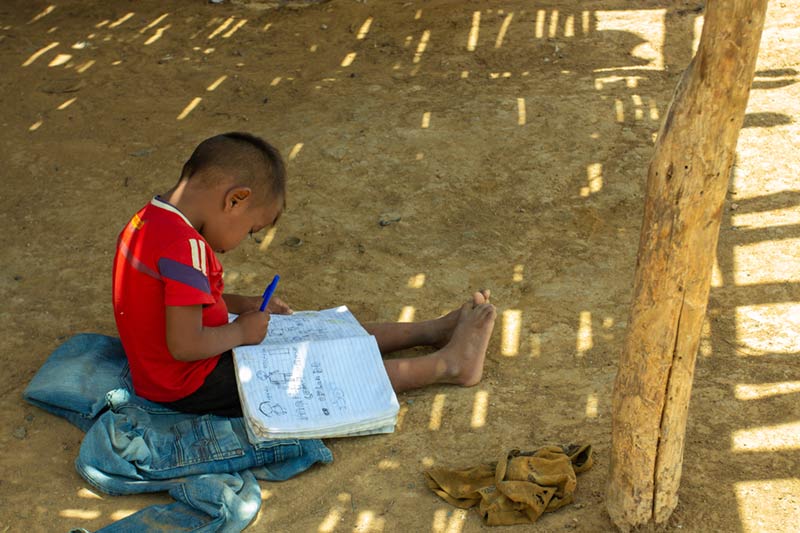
(519, 487)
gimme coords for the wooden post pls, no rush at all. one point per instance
(686, 186)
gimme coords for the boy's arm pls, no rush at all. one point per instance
(238, 304)
(189, 340)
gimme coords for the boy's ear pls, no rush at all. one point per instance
(237, 197)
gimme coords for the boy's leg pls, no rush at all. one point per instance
(459, 361)
(396, 336)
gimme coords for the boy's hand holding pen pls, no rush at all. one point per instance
(255, 323)
(275, 306)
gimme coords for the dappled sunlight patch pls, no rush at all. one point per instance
(480, 408)
(189, 108)
(759, 501)
(60, 59)
(767, 438)
(119, 514)
(368, 522)
(760, 391)
(348, 59)
(388, 464)
(769, 328)
(474, 31)
(512, 325)
(122, 20)
(364, 29)
(503, 29)
(83, 492)
(216, 83)
(221, 28)
(154, 23)
(67, 103)
(423, 44)
(437, 409)
(521, 113)
(750, 266)
(82, 514)
(426, 120)
(591, 405)
(43, 13)
(37, 54)
(157, 35)
(293, 153)
(407, 314)
(584, 340)
(594, 178)
(417, 281)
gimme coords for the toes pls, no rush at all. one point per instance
(487, 293)
(478, 298)
(487, 311)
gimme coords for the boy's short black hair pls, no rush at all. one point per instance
(251, 160)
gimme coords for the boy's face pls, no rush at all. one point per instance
(240, 218)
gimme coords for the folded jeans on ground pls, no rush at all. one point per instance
(132, 445)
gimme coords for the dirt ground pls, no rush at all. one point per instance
(511, 140)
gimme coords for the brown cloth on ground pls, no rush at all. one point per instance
(518, 488)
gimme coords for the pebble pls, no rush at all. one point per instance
(20, 433)
(386, 220)
(64, 86)
(293, 242)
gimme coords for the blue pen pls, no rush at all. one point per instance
(268, 292)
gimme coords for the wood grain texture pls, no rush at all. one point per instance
(686, 187)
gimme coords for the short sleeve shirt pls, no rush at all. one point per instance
(161, 261)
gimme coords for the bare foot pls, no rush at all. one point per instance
(443, 327)
(465, 353)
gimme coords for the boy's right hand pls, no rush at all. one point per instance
(253, 325)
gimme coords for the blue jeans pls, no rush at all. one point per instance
(132, 445)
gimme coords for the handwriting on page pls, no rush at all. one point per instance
(293, 386)
(313, 325)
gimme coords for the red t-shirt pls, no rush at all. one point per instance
(162, 260)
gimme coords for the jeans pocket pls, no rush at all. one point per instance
(279, 450)
(205, 439)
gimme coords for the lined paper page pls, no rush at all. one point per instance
(303, 326)
(314, 386)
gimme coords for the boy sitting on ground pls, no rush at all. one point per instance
(172, 313)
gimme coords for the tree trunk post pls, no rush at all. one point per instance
(686, 186)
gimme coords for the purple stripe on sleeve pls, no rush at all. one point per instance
(174, 270)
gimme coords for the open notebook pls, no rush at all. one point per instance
(316, 374)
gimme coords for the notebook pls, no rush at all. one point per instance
(317, 374)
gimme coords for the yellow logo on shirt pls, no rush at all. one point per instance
(137, 222)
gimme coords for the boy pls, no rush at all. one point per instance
(172, 314)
